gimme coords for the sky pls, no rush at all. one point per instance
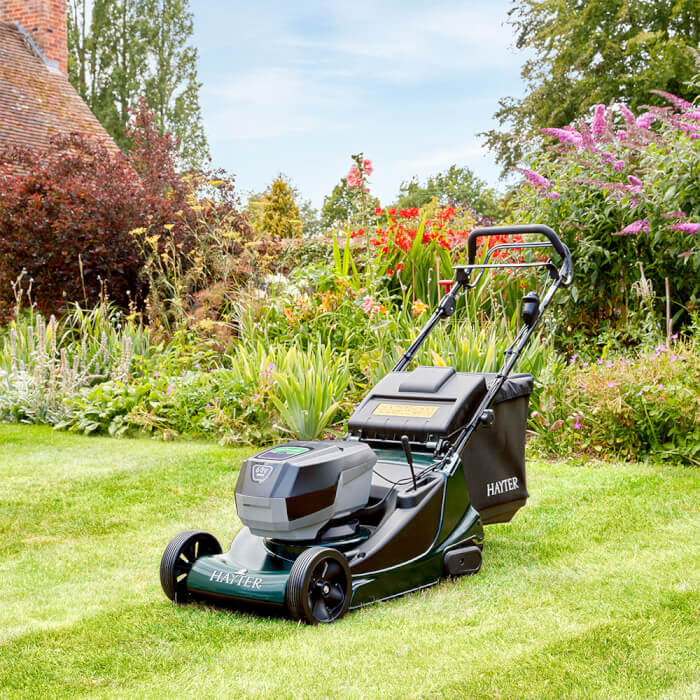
(297, 87)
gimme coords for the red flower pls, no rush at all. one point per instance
(399, 267)
(389, 271)
(392, 211)
(378, 211)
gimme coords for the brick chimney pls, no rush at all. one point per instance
(44, 21)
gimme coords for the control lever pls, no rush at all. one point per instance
(409, 458)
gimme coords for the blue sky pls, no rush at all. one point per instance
(296, 87)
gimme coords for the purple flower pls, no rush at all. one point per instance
(634, 181)
(600, 362)
(678, 102)
(577, 423)
(171, 387)
(619, 165)
(674, 214)
(585, 364)
(256, 396)
(639, 393)
(182, 374)
(659, 386)
(639, 226)
(660, 349)
(693, 115)
(645, 121)
(625, 362)
(611, 384)
(553, 195)
(674, 336)
(609, 364)
(686, 227)
(621, 135)
(569, 135)
(537, 180)
(573, 359)
(626, 113)
(156, 373)
(208, 405)
(598, 126)
(673, 358)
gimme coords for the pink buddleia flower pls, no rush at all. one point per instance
(674, 215)
(598, 126)
(695, 114)
(678, 102)
(586, 136)
(569, 135)
(627, 114)
(634, 181)
(686, 227)
(534, 178)
(621, 135)
(619, 165)
(554, 195)
(636, 227)
(645, 120)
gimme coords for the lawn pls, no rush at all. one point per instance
(593, 590)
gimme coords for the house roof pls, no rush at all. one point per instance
(37, 101)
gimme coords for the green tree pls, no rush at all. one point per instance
(454, 186)
(590, 52)
(122, 50)
(277, 210)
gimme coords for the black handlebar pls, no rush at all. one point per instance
(520, 230)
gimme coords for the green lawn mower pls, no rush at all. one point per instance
(431, 456)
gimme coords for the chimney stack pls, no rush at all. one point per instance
(45, 22)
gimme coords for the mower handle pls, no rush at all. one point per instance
(520, 229)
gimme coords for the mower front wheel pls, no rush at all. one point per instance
(182, 551)
(319, 586)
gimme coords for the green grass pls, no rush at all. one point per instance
(592, 591)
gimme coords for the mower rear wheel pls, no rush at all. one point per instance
(319, 586)
(182, 551)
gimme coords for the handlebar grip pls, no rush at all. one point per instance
(519, 229)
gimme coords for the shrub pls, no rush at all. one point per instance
(66, 214)
(624, 192)
(626, 407)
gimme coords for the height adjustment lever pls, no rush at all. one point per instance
(409, 458)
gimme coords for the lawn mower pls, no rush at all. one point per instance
(430, 457)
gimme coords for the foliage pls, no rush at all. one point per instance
(624, 193)
(65, 219)
(627, 407)
(455, 187)
(309, 388)
(44, 365)
(67, 214)
(124, 50)
(590, 53)
(280, 216)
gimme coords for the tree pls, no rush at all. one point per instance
(123, 50)
(276, 211)
(590, 52)
(454, 186)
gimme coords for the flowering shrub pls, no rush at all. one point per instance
(630, 407)
(623, 190)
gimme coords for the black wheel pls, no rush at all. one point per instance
(319, 586)
(178, 557)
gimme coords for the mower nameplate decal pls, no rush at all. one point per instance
(403, 410)
(260, 472)
(237, 578)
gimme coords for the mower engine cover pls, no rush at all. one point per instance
(291, 491)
